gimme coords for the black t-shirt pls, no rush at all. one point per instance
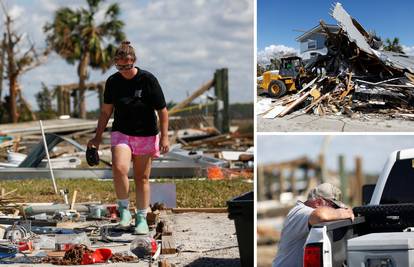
(135, 101)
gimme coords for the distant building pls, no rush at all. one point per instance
(312, 42)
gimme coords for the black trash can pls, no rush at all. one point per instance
(241, 211)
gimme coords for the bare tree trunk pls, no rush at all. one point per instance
(14, 70)
(83, 68)
(13, 93)
(12, 75)
(25, 104)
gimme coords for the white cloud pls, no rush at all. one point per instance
(16, 11)
(181, 42)
(409, 50)
(272, 51)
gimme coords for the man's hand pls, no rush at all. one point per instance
(164, 144)
(95, 142)
(347, 214)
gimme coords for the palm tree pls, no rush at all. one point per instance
(393, 45)
(76, 37)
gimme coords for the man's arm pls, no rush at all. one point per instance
(326, 214)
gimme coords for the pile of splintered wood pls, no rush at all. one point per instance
(345, 95)
(8, 202)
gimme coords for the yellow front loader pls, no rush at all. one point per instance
(278, 83)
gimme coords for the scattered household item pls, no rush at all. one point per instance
(8, 251)
(66, 241)
(92, 156)
(100, 255)
(144, 246)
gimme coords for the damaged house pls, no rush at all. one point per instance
(350, 74)
(313, 42)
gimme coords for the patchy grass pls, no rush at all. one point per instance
(190, 193)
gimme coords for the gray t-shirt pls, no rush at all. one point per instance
(293, 238)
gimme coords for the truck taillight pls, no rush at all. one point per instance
(313, 255)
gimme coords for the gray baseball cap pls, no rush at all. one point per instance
(328, 192)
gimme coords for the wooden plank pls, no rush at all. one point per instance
(164, 263)
(56, 254)
(203, 88)
(316, 102)
(273, 113)
(168, 245)
(294, 104)
(348, 88)
(206, 210)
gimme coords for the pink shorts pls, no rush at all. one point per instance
(139, 145)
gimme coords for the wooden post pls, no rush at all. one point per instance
(2, 58)
(293, 182)
(282, 187)
(64, 102)
(76, 112)
(221, 90)
(306, 176)
(68, 109)
(359, 181)
(261, 183)
(59, 97)
(342, 176)
(322, 169)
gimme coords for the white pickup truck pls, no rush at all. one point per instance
(380, 235)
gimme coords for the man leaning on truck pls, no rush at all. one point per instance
(323, 204)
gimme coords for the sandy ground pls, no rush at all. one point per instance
(201, 232)
(361, 122)
(194, 233)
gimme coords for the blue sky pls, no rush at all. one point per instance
(181, 42)
(278, 20)
(374, 149)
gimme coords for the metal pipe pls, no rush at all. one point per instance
(48, 158)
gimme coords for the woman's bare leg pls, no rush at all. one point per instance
(142, 171)
(121, 158)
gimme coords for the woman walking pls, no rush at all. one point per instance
(135, 96)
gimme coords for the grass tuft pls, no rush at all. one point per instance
(190, 193)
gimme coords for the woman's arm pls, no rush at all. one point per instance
(106, 112)
(164, 142)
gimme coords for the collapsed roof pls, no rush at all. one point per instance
(355, 49)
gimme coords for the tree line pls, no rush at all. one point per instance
(76, 36)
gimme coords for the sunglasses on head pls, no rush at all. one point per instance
(124, 67)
